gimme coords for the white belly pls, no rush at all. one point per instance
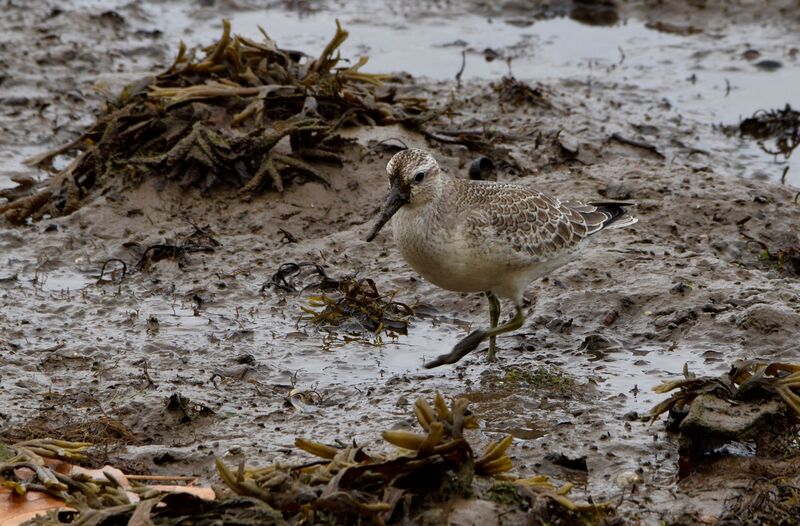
(445, 259)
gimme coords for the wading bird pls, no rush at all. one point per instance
(481, 236)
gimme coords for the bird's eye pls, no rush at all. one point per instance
(419, 177)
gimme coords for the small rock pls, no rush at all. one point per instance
(164, 457)
(751, 54)
(152, 325)
(627, 479)
(680, 288)
(561, 459)
(490, 54)
(616, 192)
(469, 512)
(767, 319)
(713, 422)
(246, 359)
(238, 372)
(768, 65)
(569, 144)
(595, 12)
(610, 317)
(559, 325)
(598, 342)
(482, 169)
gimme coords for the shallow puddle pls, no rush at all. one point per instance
(348, 361)
(704, 77)
(296, 350)
(632, 377)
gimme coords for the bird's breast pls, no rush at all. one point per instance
(439, 254)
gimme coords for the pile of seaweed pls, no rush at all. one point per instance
(775, 501)
(780, 251)
(783, 126)
(746, 380)
(347, 304)
(215, 121)
(342, 484)
(24, 469)
(357, 307)
(754, 406)
(515, 92)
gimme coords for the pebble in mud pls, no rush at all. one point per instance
(768, 65)
(768, 319)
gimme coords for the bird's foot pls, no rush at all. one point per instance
(491, 357)
(462, 348)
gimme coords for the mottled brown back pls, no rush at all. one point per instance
(533, 224)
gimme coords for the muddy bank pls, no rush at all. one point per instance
(690, 63)
(690, 283)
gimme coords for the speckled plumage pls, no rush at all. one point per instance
(480, 236)
(473, 236)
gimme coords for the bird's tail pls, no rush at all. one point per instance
(606, 214)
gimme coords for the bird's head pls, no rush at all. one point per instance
(413, 177)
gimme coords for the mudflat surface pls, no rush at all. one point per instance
(685, 285)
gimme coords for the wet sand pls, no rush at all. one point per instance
(686, 284)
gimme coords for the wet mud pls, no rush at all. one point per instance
(170, 364)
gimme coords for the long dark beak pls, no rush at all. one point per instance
(394, 201)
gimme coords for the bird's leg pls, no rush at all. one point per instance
(468, 344)
(494, 318)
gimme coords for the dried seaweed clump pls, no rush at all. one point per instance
(199, 240)
(343, 485)
(783, 126)
(746, 380)
(347, 304)
(775, 502)
(214, 121)
(357, 307)
(351, 486)
(23, 469)
(512, 91)
(782, 253)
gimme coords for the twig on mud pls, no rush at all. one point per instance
(200, 240)
(384, 144)
(637, 144)
(783, 126)
(150, 382)
(281, 279)
(288, 237)
(190, 480)
(461, 71)
(105, 264)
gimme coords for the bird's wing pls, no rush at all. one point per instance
(534, 225)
